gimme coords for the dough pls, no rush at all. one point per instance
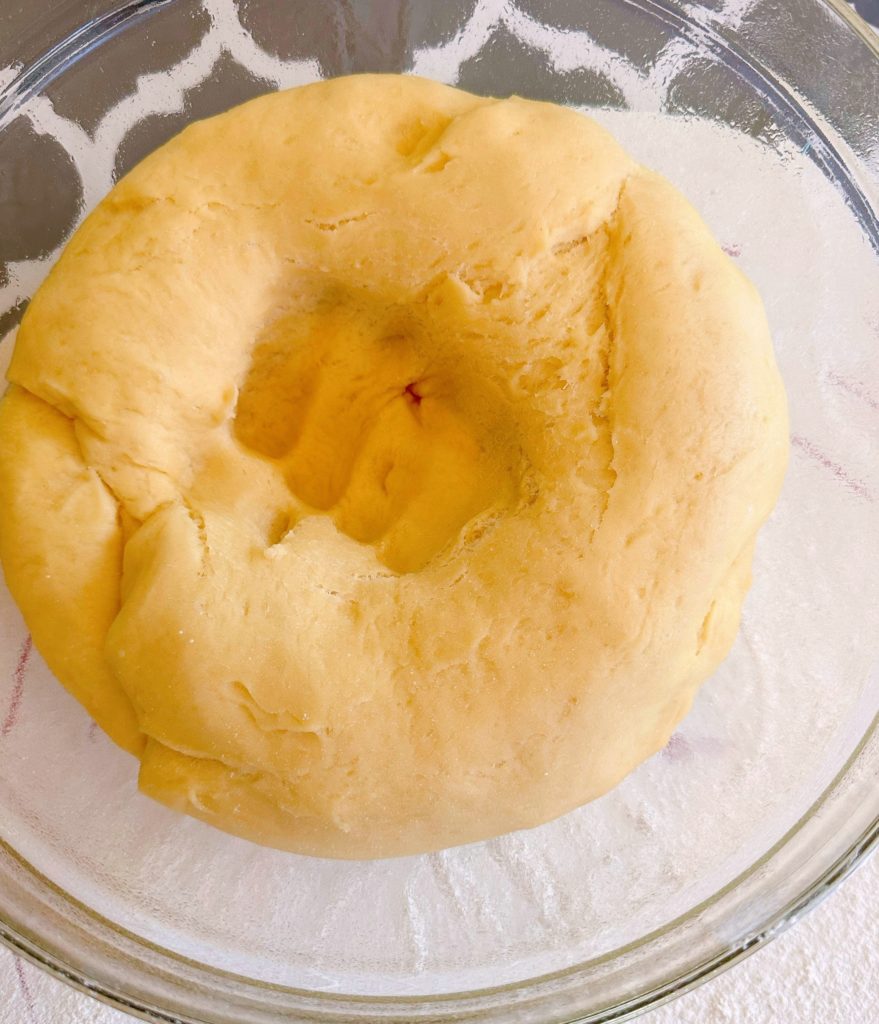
(382, 465)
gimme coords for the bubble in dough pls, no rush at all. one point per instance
(381, 464)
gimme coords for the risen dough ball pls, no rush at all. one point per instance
(382, 465)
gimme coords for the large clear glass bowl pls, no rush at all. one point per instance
(766, 112)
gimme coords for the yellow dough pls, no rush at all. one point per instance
(382, 465)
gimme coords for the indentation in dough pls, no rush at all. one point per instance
(485, 289)
(437, 163)
(368, 425)
(279, 527)
(602, 416)
(272, 721)
(198, 519)
(340, 222)
(540, 373)
(274, 399)
(705, 628)
(421, 135)
(563, 248)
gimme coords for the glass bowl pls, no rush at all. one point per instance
(765, 113)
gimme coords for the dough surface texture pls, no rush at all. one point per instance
(382, 464)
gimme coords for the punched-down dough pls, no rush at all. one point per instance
(382, 465)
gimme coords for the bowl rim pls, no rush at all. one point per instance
(29, 80)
